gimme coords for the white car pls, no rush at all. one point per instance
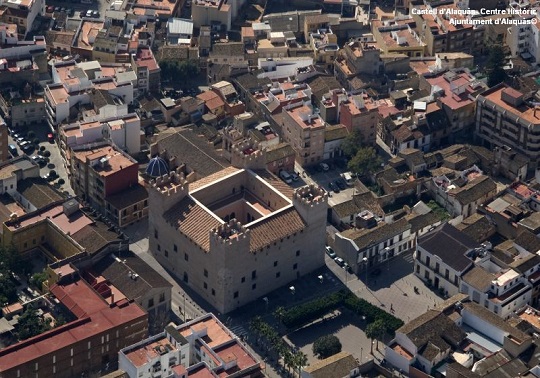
(324, 167)
(339, 261)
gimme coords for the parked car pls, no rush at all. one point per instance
(13, 150)
(24, 143)
(341, 184)
(71, 12)
(28, 149)
(20, 139)
(39, 160)
(88, 13)
(333, 187)
(50, 137)
(286, 177)
(95, 14)
(330, 252)
(49, 9)
(295, 176)
(339, 261)
(347, 268)
(325, 167)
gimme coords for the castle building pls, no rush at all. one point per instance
(237, 234)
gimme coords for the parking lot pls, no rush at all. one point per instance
(55, 163)
(101, 6)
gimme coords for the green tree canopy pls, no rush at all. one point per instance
(376, 330)
(365, 161)
(495, 63)
(326, 346)
(30, 324)
(352, 143)
(179, 71)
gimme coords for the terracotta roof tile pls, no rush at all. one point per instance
(274, 228)
(193, 221)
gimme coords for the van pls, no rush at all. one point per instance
(286, 177)
(347, 176)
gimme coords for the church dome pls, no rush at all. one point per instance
(157, 167)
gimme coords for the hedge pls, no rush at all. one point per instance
(312, 310)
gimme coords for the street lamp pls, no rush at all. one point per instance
(387, 250)
(365, 260)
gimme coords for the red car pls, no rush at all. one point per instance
(50, 9)
(50, 137)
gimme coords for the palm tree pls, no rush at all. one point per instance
(300, 360)
(288, 360)
(375, 331)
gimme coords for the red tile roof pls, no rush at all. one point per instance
(94, 317)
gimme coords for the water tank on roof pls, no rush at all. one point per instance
(157, 167)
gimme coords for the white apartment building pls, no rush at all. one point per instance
(524, 40)
(203, 347)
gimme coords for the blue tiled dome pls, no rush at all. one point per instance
(157, 167)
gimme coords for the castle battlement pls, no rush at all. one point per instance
(247, 154)
(229, 233)
(310, 195)
(171, 183)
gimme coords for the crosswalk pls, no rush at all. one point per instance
(238, 330)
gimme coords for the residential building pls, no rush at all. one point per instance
(22, 110)
(122, 130)
(14, 46)
(455, 92)
(99, 173)
(283, 94)
(523, 39)
(505, 118)
(398, 36)
(318, 34)
(268, 232)
(227, 92)
(373, 241)
(463, 194)
(103, 324)
(283, 67)
(138, 282)
(22, 14)
(201, 347)
(207, 12)
(333, 138)
(305, 132)
(341, 364)
(440, 34)
(163, 11)
(355, 58)
(292, 21)
(275, 46)
(443, 256)
(73, 85)
(357, 112)
(501, 290)
(147, 69)
(463, 331)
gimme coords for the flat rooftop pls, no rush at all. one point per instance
(147, 352)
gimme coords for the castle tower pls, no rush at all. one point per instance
(230, 237)
(166, 191)
(248, 154)
(312, 203)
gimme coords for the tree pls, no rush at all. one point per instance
(326, 346)
(495, 63)
(375, 331)
(30, 324)
(46, 153)
(37, 279)
(352, 143)
(61, 182)
(300, 360)
(35, 141)
(365, 161)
